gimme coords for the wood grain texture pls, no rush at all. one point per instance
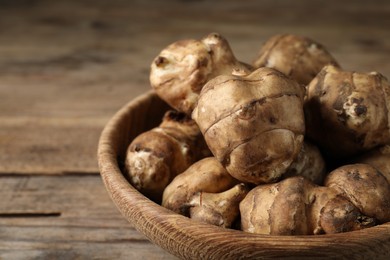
(188, 239)
(67, 66)
(65, 217)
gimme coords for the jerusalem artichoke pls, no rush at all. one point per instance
(155, 157)
(219, 209)
(179, 72)
(348, 112)
(253, 124)
(309, 164)
(296, 206)
(365, 187)
(297, 57)
(379, 158)
(206, 175)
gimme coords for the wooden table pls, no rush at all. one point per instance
(67, 66)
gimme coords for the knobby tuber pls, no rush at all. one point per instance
(297, 57)
(365, 187)
(296, 206)
(179, 72)
(155, 157)
(348, 112)
(309, 164)
(379, 158)
(206, 175)
(253, 124)
(219, 209)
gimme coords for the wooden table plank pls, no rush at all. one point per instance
(78, 251)
(63, 217)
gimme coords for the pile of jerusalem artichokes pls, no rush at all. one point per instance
(289, 145)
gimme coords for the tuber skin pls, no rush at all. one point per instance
(253, 124)
(296, 206)
(348, 112)
(206, 175)
(297, 57)
(179, 72)
(155, 157)
(219, 209)
(340, 215)
(378, 158)
(365, 187)
(309, 164)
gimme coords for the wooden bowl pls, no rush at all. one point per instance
(188, 239)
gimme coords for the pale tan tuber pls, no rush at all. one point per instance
(219, 209)
(179, 72)
(259, 209)
(206, 175)
(253, 124)
(296, 206)
(155, 157)
(309, 164)
(365, 187)
(297, 57)
(379, 158)
(348, 112)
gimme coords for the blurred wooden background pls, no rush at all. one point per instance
(67, 66)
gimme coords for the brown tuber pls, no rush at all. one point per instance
(340, 215)
(378, 158)
(348, 112)
(253, 124)
(206, 175)
(219, 209)
(309, 164)
(296, 206)
(179, 72)
(297, 57)
(365, 187)
(155, 157)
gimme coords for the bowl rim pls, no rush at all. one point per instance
(174, 232)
